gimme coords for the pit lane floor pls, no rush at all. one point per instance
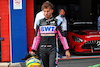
(83, 62)
(79, 61)
(74, 61)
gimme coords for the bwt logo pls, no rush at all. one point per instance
(47, 28)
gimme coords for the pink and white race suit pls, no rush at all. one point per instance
(47, 31)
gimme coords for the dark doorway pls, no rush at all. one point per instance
(71, 7)
(75, 9)
(95, 9)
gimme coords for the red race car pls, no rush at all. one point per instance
(84, 38)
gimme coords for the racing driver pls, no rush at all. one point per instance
(46, 34)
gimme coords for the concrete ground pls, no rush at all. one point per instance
(9, 64)
(75, 61)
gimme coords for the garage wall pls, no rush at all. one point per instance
(5, 31)
(5, 45)
(30, 22)
(18, 30)
(85, 9)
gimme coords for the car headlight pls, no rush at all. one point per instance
(77, 39)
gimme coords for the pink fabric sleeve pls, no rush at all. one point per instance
(63, 40)
(36, 41)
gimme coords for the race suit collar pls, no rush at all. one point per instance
(49, 19)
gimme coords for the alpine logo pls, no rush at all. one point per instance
(52, 22)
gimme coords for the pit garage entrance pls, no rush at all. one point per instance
(82, 10)
(75, 9)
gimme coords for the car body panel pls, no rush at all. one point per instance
(88, 41)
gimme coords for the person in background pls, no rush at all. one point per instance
(62, 17)
(98, 26)
(39, 16)
(46, 33)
